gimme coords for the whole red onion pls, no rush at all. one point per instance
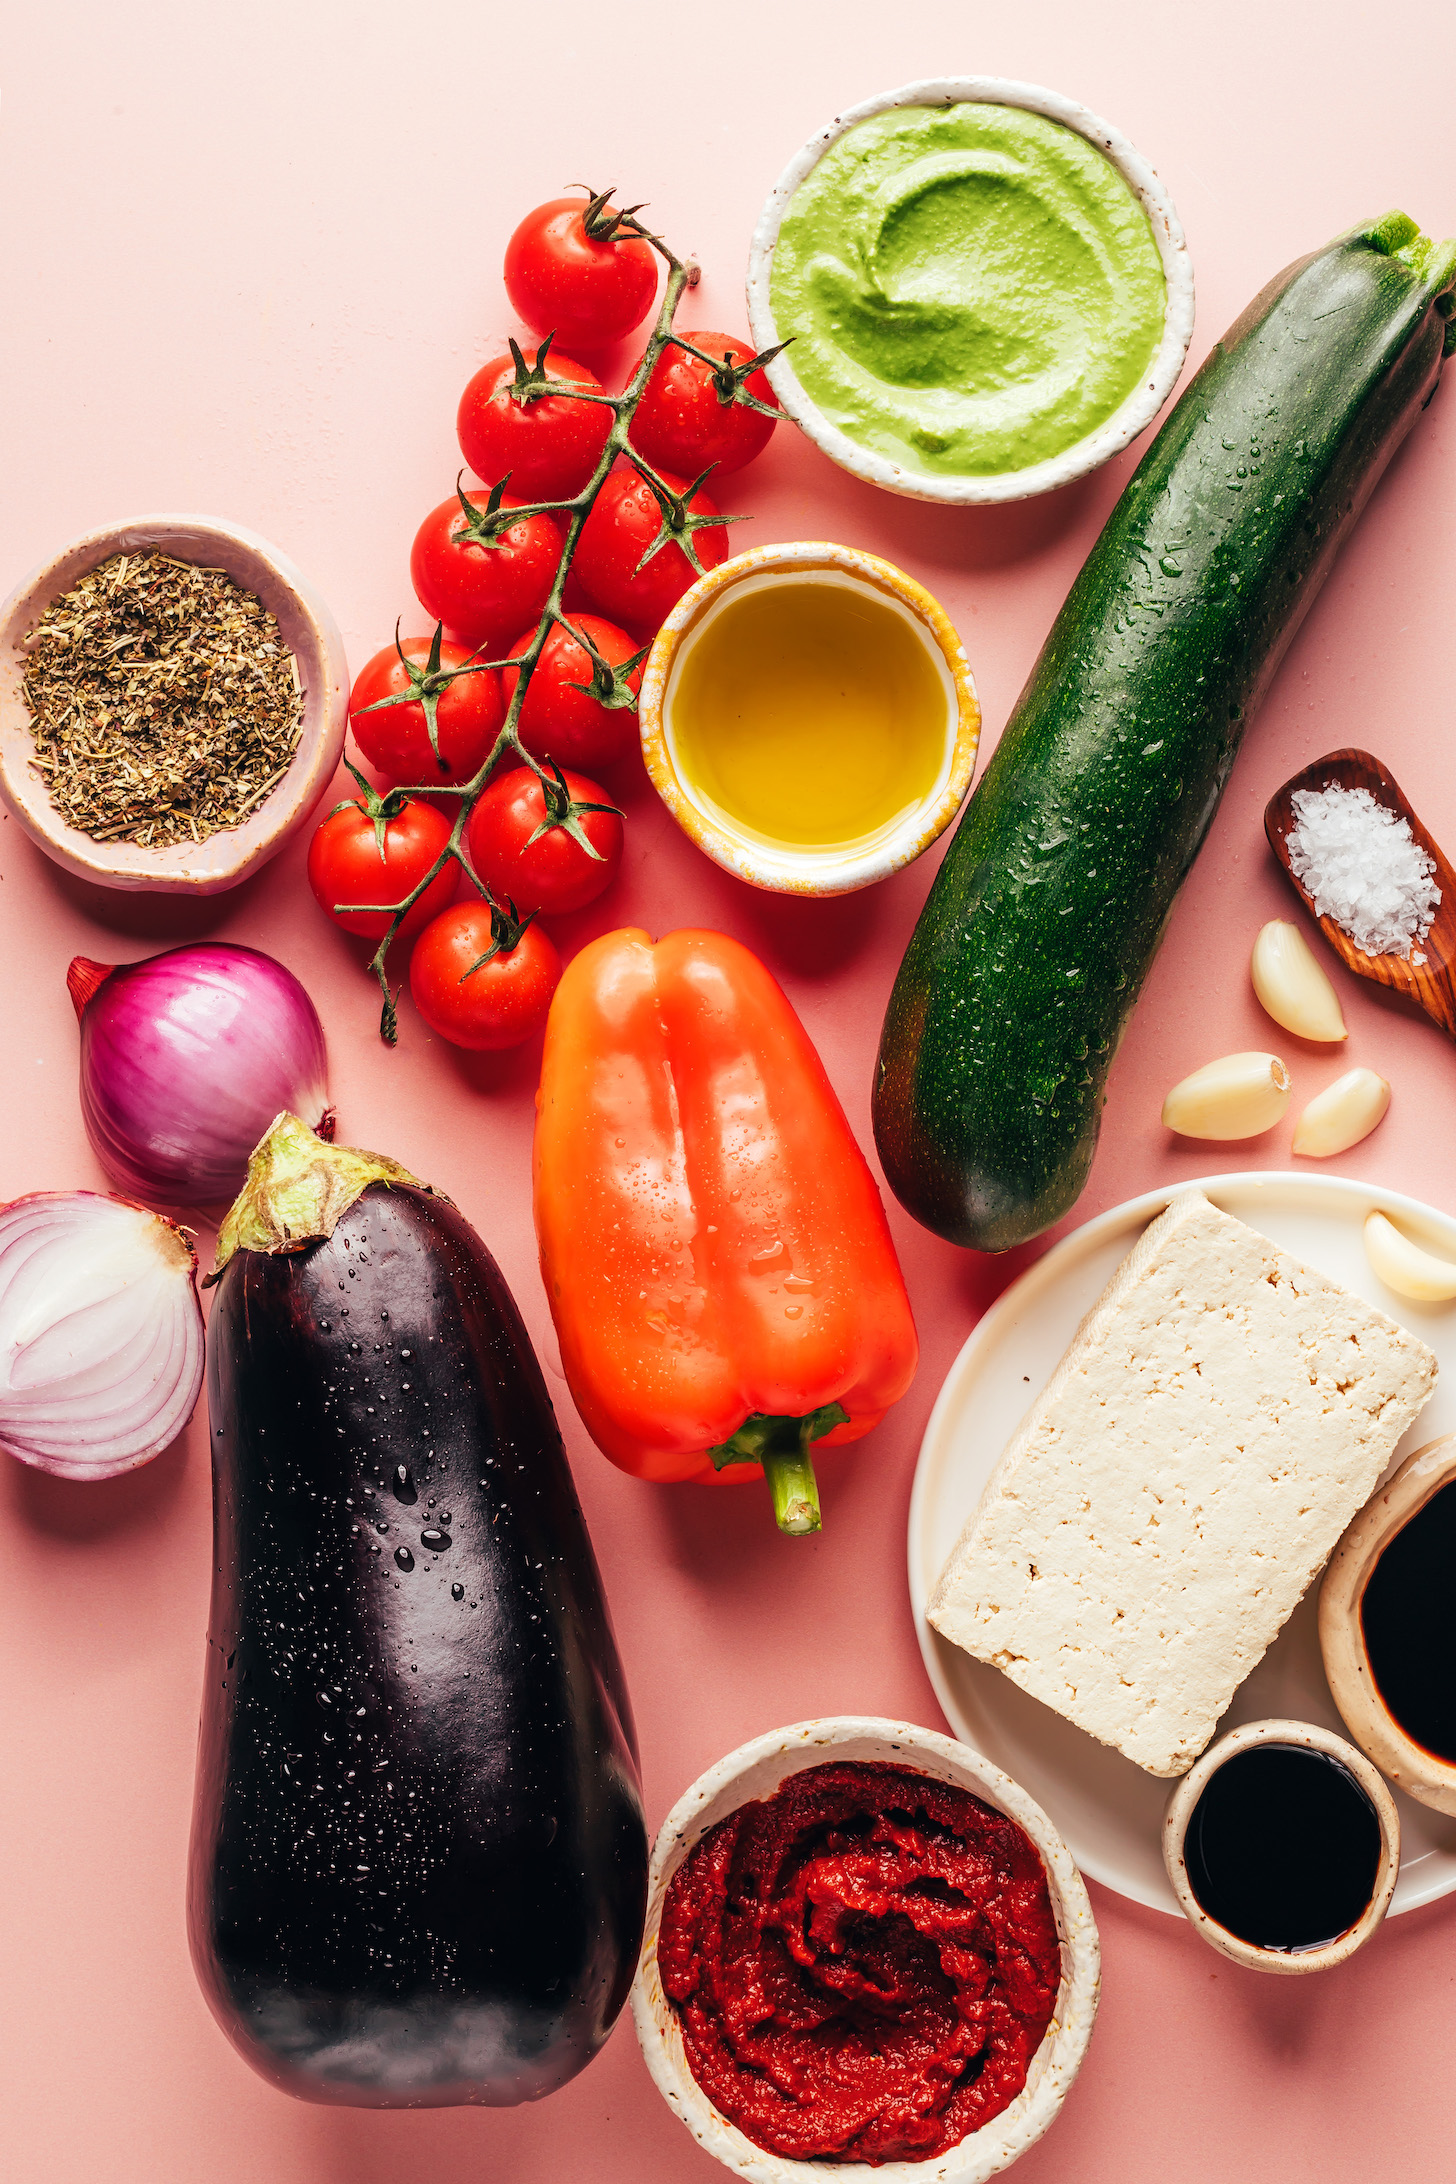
(185, 1060)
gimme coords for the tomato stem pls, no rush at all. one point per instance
(564, 810)
(729, 378)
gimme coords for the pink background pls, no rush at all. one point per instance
(254, 254)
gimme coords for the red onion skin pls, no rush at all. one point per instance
(186, 1057)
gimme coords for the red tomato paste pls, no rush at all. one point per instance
(863, 1965)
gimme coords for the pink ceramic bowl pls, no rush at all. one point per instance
(307, 628)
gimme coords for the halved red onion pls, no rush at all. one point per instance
(186, 1058)
(101, 1344)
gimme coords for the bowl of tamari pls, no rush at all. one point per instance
(809, 717)
(865, 1944)
(173, 700)
(985, 287)
(1387, 1627)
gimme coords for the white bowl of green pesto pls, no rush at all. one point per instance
(987, 287)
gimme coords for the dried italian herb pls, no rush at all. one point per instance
(166, 705)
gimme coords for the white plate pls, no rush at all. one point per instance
(1110, 1811)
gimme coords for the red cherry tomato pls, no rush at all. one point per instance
(481, 593)
(586, 290)
(683, 420)
(549, 447)
(498, 1003)
(396, 740)
(347, 864)
(557, 718)
(625, 519)
(553, 873)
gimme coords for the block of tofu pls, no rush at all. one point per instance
(1220, 1416)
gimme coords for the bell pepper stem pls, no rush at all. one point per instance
(795, 1492)
(782, 1446)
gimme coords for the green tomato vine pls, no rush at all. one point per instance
(483, 526)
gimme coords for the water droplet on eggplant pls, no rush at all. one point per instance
(434, 1540)
(403, 1485)
(404, 1558)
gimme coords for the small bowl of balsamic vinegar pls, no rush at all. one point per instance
(1283, 1846)
(809, 718)
(1387, 1623)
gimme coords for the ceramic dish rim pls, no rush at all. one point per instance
(812, 872)
(1129, 1214)
(1179, 1811)
(771, 1759)
(180, 867)
(1137, 410)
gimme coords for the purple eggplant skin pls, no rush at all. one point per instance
(419, 1864)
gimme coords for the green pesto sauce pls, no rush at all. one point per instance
(973, 289)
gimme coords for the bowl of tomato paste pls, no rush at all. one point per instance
(865, 1945)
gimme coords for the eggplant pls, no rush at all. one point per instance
(418, 1865)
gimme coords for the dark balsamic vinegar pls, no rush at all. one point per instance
(1408, 1618)
(1283, 1847)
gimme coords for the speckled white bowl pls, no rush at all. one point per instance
(1283, 1962)
(1421, 1774)
(1140, 407)
(784, 867)
(306, 627)
(756, 1770)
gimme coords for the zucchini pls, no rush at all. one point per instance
(1048, 908)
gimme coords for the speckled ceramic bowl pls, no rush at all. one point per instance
(1421, 1774)
(786, 867)
(1179, 1812)
(756, 1770)
(307, 628)
(1139, 408)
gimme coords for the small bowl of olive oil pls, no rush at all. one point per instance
(809, 717)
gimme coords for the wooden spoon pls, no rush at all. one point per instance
(1432, 984)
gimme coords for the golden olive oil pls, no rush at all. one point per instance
(808, 713)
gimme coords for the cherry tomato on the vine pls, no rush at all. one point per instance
(348, 862)
(587, 288)
(395, 739)
(625, 520)
(527, 840)
(548, 447)
(483, 593)
(559, 718)
(685, 420)
(496, 1003)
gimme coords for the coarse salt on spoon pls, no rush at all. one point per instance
(1428, 975)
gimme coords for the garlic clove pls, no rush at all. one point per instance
(1404, 1267)
(1342, 1114)
(1238, 1096)
(1291, 986)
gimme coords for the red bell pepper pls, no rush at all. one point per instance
(715, 1252)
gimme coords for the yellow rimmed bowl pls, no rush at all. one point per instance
(789, 867)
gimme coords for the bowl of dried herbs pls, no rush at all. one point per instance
(173, 699)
